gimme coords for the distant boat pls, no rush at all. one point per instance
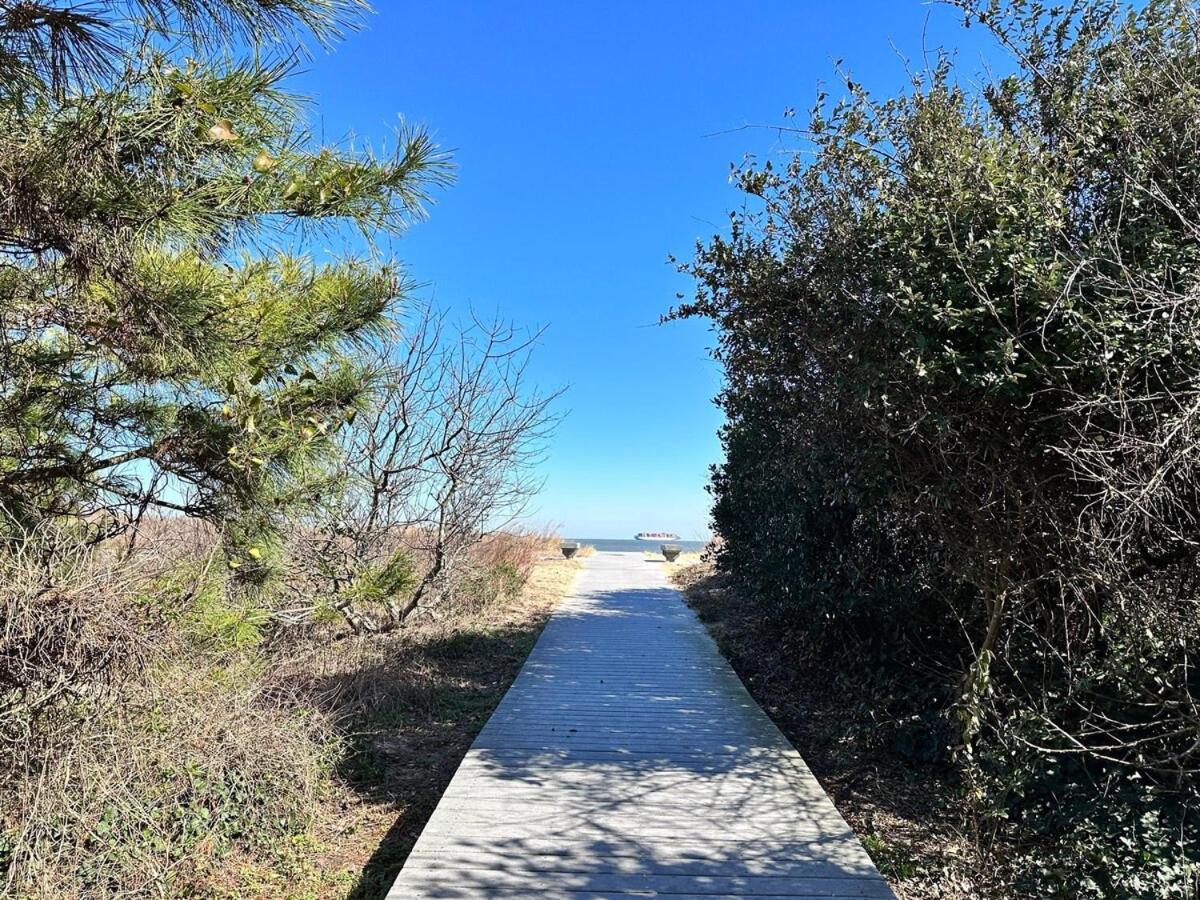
(656, 536)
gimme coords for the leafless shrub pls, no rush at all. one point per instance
(443, 458)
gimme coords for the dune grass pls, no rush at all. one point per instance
(199, 751)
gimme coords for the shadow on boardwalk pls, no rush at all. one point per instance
(414, 717)
(630, 825)
(627, 759)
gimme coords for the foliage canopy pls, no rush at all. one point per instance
(161, 345)
(961, 335)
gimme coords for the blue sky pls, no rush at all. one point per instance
(587, 139)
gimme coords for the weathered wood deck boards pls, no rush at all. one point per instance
(628, 760)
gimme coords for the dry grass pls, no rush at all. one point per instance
(135, 752)
(683, 560)
(160, 740)
(519, 549)
(409, 707)
(177, 773)
(906, 814)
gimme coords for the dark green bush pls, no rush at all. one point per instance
(961, 334)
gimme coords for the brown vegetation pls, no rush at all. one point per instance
(165, 742)
(250, 504)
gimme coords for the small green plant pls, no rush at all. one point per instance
(193, 813)
(894, 863)
(395, 578)
(506, 579)
(7, 848)
(222, 624)
(182, 587)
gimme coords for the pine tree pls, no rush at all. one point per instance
(164, 343)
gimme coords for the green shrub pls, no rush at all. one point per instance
(390, 581)
(961, 338)
(1124, 840)
(506, 579)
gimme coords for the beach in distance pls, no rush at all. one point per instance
(629, 545)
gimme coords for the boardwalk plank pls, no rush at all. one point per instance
(628, 760)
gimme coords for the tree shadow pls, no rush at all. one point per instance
(411, 716)
(627, 757)
(553, 823)
(887, 769)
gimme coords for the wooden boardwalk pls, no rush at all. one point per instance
(628, 760)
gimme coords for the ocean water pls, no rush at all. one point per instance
(627, 545)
